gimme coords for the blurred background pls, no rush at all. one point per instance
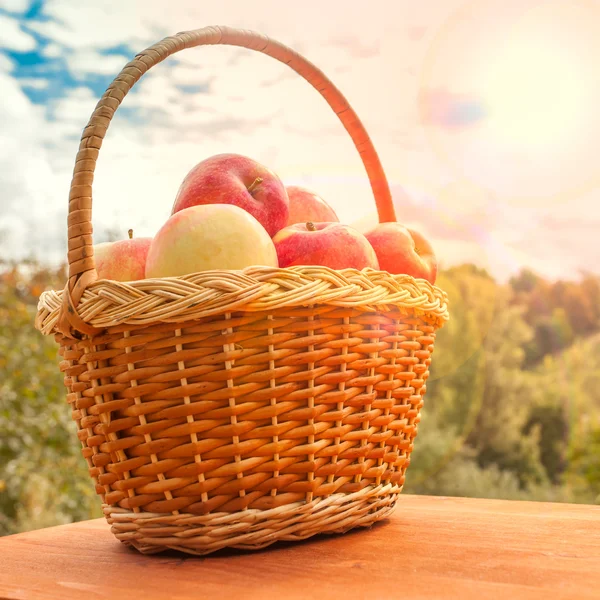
(485, 117)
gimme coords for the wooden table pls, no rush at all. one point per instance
(430, 548)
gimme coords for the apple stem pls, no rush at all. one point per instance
(311, 226)
(130, 233)
(254, 184)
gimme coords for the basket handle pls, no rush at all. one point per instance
(82, 270)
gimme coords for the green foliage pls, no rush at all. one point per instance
(512, 410)
(43, 479)
(584, 470)
(492, 428)
(557, 312)
(526, 281)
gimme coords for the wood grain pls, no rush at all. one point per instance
(432, 547)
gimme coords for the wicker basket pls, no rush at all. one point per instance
(236, 409)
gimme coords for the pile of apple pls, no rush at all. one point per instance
(231, 213)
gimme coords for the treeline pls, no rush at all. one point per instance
(557, 311)
(512, 408)
(513, 404)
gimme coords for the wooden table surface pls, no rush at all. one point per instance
(432, 547)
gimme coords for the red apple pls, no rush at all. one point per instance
(239, 181)
(124, 260)
(205, 238)
(327, 244)
(307, 206)
(402, 250)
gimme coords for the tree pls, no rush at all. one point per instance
(584, 469)
(476, 407)
(526, 281)
(43, 477)
(578, 305)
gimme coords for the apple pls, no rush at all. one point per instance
(208, 237)
(239, 181)
(123, 260)
(306, 206)
(402, 250)
(327, 244)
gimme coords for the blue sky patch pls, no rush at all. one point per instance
(52, 72)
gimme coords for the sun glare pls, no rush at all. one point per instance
(531, 67)
(535, 94)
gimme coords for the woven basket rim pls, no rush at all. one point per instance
(107, 303)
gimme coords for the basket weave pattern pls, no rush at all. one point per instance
(240, 408)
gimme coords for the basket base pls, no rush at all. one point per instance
(251, 529)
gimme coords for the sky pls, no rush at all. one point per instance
(484, 114)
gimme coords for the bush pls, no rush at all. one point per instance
(43, 479)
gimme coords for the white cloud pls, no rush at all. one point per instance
(114, 22)
(144, 21)
(6, 64)
(13, 37)
(83, 62)
(75, 107)
(28, 183)
(16, 6)
(36, 83)
(53, 50)
(13, 233)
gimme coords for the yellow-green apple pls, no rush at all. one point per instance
(327, 244)
(402, 250)
(208, 237)
(307, 206)
(123, 260)
(239, 181)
